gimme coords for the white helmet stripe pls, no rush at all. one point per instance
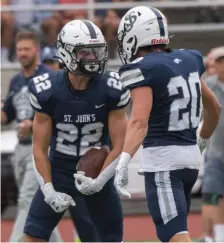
(160, 20)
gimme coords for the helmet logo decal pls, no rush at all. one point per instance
(60, 36)
(129, 21)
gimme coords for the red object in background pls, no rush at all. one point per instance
(72, 1)
(136, 228)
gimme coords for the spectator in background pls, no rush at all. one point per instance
(48, 57)
(69, 15)
(109, 29)
(208, 15)
(121, 12)
(7, 31)
(17, 107)
(213, 179)
(32, 20)
(46, 24)
(210, 63)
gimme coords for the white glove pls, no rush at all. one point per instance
(86, 185)
(202, 143)
(58, 201)
(121, 176)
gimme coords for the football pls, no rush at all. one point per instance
(92, 161)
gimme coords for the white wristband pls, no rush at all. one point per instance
(107, 173)
(47, 189)
(124, 159)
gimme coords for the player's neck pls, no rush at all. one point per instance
(142, 53)
(29, 71)
(78, 82)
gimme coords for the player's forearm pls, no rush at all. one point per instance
(4, 119)
(210, 122)
(136, 132)
(112, 157)
(43, 165)
(108, 170)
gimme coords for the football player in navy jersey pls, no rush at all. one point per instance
(79, 214)
(77, 108)
(167, 95)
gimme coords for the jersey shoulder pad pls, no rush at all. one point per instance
(118, 96)
(40, 88)
(199, 60)
(139, 73)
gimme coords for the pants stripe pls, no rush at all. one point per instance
(165, 195)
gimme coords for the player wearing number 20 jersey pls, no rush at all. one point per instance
(166, 93)
(175, 80)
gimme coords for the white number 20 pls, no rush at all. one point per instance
(42, 82)
(185, 112)
(90, 135)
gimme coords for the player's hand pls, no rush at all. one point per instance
(25, 128)
(86, 185)
(58, 201)
(202, 143)
(121, 180)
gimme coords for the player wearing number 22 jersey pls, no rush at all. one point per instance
(74, 120)
(79, 117)
(166, 96)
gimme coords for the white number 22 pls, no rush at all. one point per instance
(114, 81)
(90, 135)
(42, 82)
(185, 112)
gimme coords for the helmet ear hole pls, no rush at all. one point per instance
(139, 14)
(130, 40)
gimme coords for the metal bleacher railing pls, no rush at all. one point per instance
(91, 6)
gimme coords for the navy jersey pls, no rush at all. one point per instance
(17, 105)
(174, 78)
(79, 117)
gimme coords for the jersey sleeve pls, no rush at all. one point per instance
(137, 74)
(199, 61)
(40, 89)
(8, 107)
(118, 96)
